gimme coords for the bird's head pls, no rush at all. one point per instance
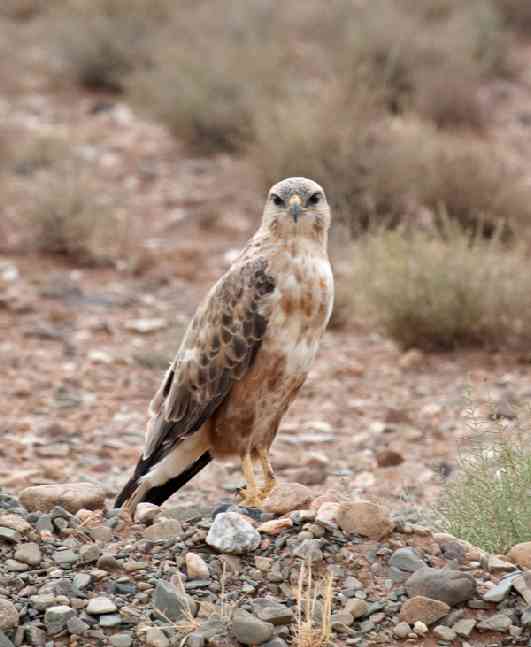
(297, 206)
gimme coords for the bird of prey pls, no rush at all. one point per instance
(245, 354)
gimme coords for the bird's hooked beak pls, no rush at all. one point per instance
(295, 207)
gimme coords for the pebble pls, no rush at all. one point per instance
(424, 609)
(29, 553)
(65, 557)
(172, 604)
(163, 529)
(275, 526)
(155, 637)
(124, 639)
(8, 614)
(71, 496)
(402, 630)
(232, 533)
(447, 585)
(249, 629)
(101, 533)
(444, 633)
(100, 605)
(76, 626)
(287, 497)
(56, 618)
(499, 622)
(464, 627)
(9, 535)
(496, 564)
(272, 611)
(89, 553)
(43, 601)
(420, 628)
(521, 554)
(364, 518)
(196, 567)
(357, 608)
(500, 591)
(406, 559)
(327, 515)
(310, 551)
(15, 522)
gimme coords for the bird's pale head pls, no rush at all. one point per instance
(297, 206)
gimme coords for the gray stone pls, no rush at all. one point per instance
(341, 621)
(56, 618)
(35, 636)
(100, 606)
(232, 533)
(522, 584)
(101, 533)
(500, 591)
(4, 640)
(357, 608)
(108, 563)
(171, 604)
(76, 626)
(464, 627)
(275, 642)
(406, 559)
(13, 565)
(8, 535)
(163, 529)
(123, 639)
(89, 553)
(526, 617)
(447, 585)
(71, 496)
(81, 581)
(29, 553)
(402, 630)
(310, 551)
(499, 622)
(249, 629)
(272, 611)
(155, 637)
(444, 633)
(111, 620)
(65, 557)
(42, 601)
(44, 523)
(209, 630)
(8, 615)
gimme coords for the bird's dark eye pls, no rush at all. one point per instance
(277, 200)
(315, 198)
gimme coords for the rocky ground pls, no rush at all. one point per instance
(74, 573)
(82, 352)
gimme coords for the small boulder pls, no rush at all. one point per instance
(364, 518)
(287, 497)
(8, 615)
(28, 553)
(447, 585)
(249, 629)
(71, 496)
(521, 554)
(171, 604)
(423, 609)
(99, 606)
(232, 533)
(196, 567)
(163, 529)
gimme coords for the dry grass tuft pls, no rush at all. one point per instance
(312, 631)
(100, 43)
(67, 220)
(440, 292)
(487, 502)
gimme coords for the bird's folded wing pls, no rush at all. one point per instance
(218, 348)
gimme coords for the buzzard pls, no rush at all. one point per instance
(245, 354)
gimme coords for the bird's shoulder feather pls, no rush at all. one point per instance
(218, 349)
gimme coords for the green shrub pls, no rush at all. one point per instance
(487, 501)
(440, 292)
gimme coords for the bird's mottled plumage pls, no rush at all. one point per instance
(246, 352)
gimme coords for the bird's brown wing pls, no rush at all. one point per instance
(219, 347)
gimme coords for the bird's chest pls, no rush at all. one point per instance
(302, 304)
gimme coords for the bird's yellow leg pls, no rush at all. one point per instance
(269, 476)
(250, 493)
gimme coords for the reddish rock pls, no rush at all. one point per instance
(287, 497)
(421, 609)
(70, 496)
(364, 518)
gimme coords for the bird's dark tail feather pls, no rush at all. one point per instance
(160, 493)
